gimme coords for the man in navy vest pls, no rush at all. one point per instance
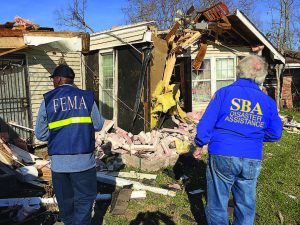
(238, 119)
(68, 118)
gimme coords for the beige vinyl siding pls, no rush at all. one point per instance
(40, 67)
(113, 38)
(216, 50)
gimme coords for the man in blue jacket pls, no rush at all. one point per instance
(68, 118)
(238, 119)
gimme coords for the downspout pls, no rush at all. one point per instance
(279, 70)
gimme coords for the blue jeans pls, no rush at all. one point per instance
(75, 194)
(238, 175)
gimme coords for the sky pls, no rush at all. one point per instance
(102, 14)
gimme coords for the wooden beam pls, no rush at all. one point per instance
(13, 50)
(169, 68)
(191, 40)
(53, 34)
(200, 56)
(170, 36)
(6, 155)
(11, 42)
(11, 33)
(240, 35)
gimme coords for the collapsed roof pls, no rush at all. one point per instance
(20, 34)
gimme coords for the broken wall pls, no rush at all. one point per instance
(92, 73)
(129, 72)
(40, 66)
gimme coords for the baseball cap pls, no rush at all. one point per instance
(63, 71)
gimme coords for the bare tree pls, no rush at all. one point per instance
(164, 11)
(284, 29)
(73, 16)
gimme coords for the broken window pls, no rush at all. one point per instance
(201, 83)
(106, 85)
(213, 74)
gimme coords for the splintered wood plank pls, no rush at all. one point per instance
(6, 155)
(53, 34)
(200, 56)
(184, 37)
(10, 33)
(191, 40)
(190, 10)
(120, 200)
(169, 68)
(170, 36)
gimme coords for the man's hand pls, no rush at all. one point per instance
(198, 153)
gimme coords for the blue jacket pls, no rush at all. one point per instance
(238, 119)
(69, 121)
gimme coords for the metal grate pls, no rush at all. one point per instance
(14, 97)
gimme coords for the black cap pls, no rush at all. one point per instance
(63, 71)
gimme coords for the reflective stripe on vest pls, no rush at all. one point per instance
(65, 122)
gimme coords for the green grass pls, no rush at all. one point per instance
(280, 177)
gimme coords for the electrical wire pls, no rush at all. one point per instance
(116, 99)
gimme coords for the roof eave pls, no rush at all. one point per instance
(260, 36)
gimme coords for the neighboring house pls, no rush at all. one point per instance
(115, 59)
(291, 80)
(27, 59)
(113, 70)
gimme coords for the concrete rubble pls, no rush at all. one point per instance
(290, 124)
(114, 147)
(158, 148)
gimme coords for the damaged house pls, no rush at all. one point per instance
(291, 80)
(126, 63)
(28, 56)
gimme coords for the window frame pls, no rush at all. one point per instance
(101, 80)
(213, 78)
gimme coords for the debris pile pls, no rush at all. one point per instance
(24, 178)
(163, 145)
(193, 27)
(290, 124)
(27, 167)
(20, 23)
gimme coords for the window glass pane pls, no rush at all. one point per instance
(225, 68)
(204, 72)
(201, 83)
(201, 92)
(223, 83)
(106, 105)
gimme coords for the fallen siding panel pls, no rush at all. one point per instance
(117, 38)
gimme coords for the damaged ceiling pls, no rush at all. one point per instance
(20, 34)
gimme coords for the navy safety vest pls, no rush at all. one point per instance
(69, 121)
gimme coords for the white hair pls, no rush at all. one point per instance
(253, 67)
